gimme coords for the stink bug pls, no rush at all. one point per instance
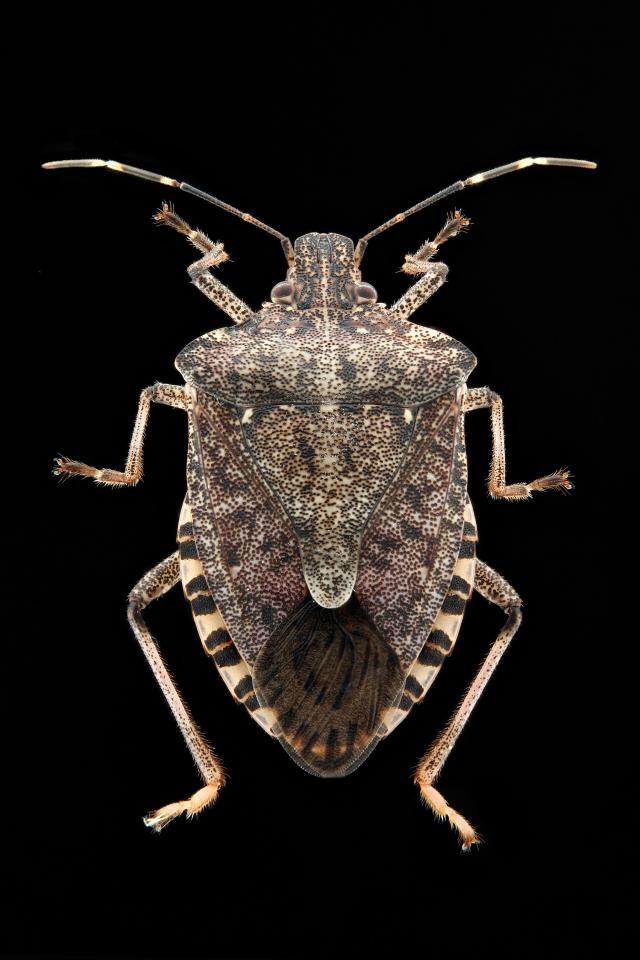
(326, 544)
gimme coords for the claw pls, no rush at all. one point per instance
(560, 480)
(443, 811)
(60, 469)
(159, 819)
(65, 467)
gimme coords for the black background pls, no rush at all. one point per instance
(315, 122)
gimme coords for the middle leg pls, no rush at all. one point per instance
(169, 394)
(479, 398)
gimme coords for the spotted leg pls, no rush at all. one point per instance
(200, 271)
(493, 587)
(173, 396)
(434, 274)
(153, 585)
(479, 398)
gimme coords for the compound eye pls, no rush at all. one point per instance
(282, 292)
(365, 293)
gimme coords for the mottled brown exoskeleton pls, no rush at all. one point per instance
(326, 544)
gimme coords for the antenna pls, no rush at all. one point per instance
(469, 182)
(185, 187)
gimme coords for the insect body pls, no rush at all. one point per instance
(327, 544)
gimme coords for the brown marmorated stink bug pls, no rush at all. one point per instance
(327, 544)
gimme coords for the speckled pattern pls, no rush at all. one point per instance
(434, 276)
(446, 628)
(413, 539)
(327, 546)
(325, 349)
(219, 294)
(309, 419)
(329, 465)
(245, 541)
(216, 642)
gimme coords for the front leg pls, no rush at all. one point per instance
(433, 274)
(173, 396)
(479, 398)
(214, 255)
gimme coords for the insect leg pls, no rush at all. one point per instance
(434, 274)
(153, 585)
(479, 398)
(214, 255)
(173, 396)
(495, 588)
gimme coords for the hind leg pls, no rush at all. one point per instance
(495, 588)
(153, 585)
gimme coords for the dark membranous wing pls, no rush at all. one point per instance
(329, 677)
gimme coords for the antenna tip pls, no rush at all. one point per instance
(564, 162)
(60, 164)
